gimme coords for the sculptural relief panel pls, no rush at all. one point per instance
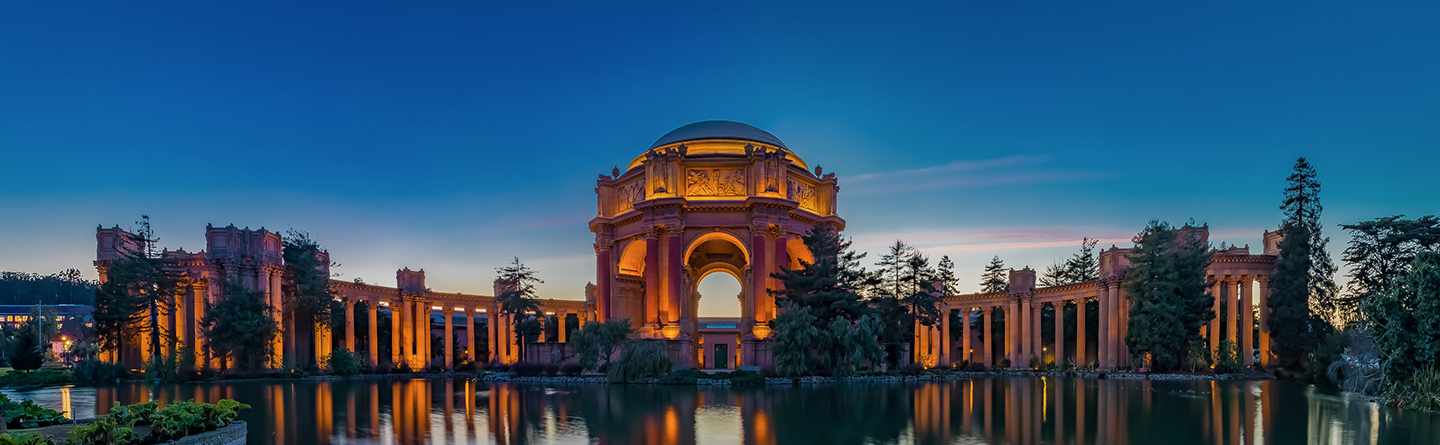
(804, 195)
(629, 193)
(709, 182)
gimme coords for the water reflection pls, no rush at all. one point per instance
(996, 411)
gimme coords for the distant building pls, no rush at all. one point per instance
(71, 321)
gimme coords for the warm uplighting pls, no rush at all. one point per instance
(761, 331)
(670, 331)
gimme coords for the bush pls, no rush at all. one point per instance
(1422, 393)
(1226, 359)
(135, 414)
(26, 414)
(639, 361)
(38, 377)
(681, 377)
(1318, 362)
(342, 362)
(24, 439)
(93, 371)
(745, 379)
(103, 431)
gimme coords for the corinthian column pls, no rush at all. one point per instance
(1247, 322)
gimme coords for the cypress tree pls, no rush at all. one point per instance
(1166, 284)
(1302, 288)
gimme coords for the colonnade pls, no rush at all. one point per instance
(1242, 318)
(411, 324)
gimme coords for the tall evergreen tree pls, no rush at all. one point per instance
(893, 268)
(995, 278)
(831, 285)
(1166, 284)
(239, 327)
(923, 295)
(1079, 268)
(1301, 303)
(306, 287)
(945, 275)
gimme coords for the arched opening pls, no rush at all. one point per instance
(719, 295)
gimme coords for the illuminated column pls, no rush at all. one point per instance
(1027, 327)
(199, 302)
(470, 334)
(781, 262)
(492, 342)
(449, 337)
(560, 328)
(1080, 312)
(288, 343)
(1230, 305)
(1112, 330)
(1247, 322)
(426, 351)
(372, 311)
(397, 327)
(965, 335)
(1012, 330)
(945, 335)
(407, 311)
(349, 324)
(759, 271)
(652, 282)
(1264, 321)
(989, 350)
(1060, 333)
(1121, 350)
(1037, 341)
(602, 279)
(1102, 334)
(1214, 325)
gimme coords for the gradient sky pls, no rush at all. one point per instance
(452, 137)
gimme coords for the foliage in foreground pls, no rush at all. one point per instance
(26, 414)
(342, 362)
(638, 362)
(166, 423)
(38, 377)
(596, 342)
(1406, 325)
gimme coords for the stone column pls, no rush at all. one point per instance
(197, 331)
(652, 283)
(965, 335)
(492, 340)
(945, 345)
(1264, 320)
(1012, 331)
(602, 280)
(1080, 311)
(1037, 337)
(397, 318)
(1122, 350)
(1214, 325)
(1060, 333)
(372, 314)
(1247, 322)
(781, 262)
(675, 288)
(759, 273)
(1027, 327)
(289, 343)
(449, 338)
(985, 325)
(424, 327)
(470, 334)
(560, 329)
(349, 324)
(1230, 309)
(1102, 334)
(1112, 330)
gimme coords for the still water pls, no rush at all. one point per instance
(981, 411)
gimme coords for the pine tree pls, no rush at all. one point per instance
(518, 299)
(945, 275)
(995, 278)
(306, 287)
(923, 296)
(1302, 288)
(893, 269)
(830, 286)
(1166, 284)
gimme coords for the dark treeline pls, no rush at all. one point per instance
(63, 287)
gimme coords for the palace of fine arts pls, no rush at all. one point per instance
(740, 223)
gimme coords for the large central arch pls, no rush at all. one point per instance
(709, 197)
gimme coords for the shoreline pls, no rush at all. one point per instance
(593, 379)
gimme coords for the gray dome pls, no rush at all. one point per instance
(718, 130)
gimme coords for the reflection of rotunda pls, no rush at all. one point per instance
(708, 197)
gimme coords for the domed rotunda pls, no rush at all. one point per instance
(708, 197)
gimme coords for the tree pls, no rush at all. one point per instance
(1382, 250)
(1081, 267)
(893, 269)
(1166, 285)
(597, 342)
(924, 294)
(945, 275)
(995, 278)
(518, 301)
(238, 328)
(831, 285)
(859, 342)
(307, 287)
(796, 339)
(27, 351)
(138, 290)
(63, 287)
(1405, 321)
(1315, 281)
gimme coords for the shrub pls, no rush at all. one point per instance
(24, 439)
(38, 377)
(93, 371)
(639, 361)
(1226, 359)
(342, 362)
(681, 377)
(1004, 363)
(741, 379)
(103, 431)
(135, 414)
(595, 343)
(26, 414)
(1422, 393)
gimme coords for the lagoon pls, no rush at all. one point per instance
(977, 411)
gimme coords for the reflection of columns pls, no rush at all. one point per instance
(1214, 328)
(1059, 335)
(372, 315)
(470, 334)
(1080, 315)
(1264, 321)
(1247, 322)
(449, 338)
(349, 325)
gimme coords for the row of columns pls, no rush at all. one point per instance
(1023, 339)
(410, 340)
(1238, 316)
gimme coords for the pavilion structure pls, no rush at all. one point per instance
(1238, 284)
(427, 328)
(708, 197)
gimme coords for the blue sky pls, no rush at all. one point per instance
(454, 136)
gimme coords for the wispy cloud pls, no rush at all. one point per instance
(974, 173)
(990, 240)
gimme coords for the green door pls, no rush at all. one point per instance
(722, 356)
